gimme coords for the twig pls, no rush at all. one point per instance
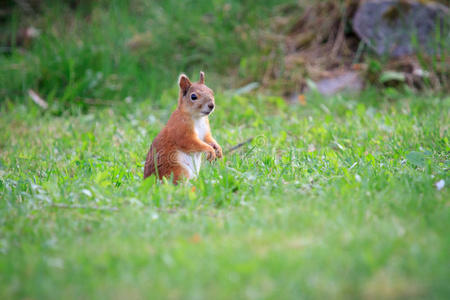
(37, 99)
(239, 145)
(340, 35)
(79, 206)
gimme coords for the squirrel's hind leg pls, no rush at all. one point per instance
(179, 174)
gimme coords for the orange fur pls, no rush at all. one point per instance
(187, 133)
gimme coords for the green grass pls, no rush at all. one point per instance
(336, 199)
(332, 200)
(114, 49)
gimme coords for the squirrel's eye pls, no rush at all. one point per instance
(194, 97)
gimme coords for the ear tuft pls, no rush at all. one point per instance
(202, 77)
(184, 83)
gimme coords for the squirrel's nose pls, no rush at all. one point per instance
(211, 105)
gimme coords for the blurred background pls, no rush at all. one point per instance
(85, 52)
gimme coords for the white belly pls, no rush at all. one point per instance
(190, 162)
(201, 128)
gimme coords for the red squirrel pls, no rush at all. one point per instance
(176, 151)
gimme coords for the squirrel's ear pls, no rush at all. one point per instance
(202, 78)
(184, 83)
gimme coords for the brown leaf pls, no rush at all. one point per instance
(302, 99)
(195, 238)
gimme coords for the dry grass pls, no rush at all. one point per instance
(321, 44)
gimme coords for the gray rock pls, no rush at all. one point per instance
(401, 27)
(348, 82)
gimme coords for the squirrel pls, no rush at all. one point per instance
(176, 151)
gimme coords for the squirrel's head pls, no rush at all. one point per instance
(195, 98)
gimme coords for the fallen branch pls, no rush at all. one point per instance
(239, 145)
(37, 99)
(79, 206)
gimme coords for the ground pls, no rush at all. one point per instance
(335, 199)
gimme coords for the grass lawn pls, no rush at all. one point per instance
(335, 199)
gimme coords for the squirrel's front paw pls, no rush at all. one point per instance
(211, 155)
(217, 149)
